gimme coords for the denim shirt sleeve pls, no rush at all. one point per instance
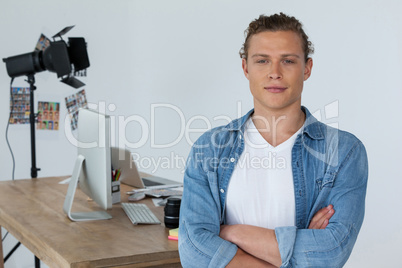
(199, 241)
(331, 246)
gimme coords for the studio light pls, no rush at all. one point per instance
(59, 57)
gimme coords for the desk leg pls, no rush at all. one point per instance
(1, 251)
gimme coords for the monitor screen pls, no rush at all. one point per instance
(92, 170)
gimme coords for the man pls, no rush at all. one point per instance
(237, 211)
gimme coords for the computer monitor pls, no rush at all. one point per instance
(92, 170)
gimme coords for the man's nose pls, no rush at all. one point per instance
(275, 71)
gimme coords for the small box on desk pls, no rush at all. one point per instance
(116, 192)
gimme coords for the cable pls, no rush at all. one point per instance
(8, 124)
(8, 143)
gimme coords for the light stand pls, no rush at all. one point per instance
(32, 120)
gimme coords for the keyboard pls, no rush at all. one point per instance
(139, 213)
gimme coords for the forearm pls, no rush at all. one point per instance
(258, 242)
(243, 259)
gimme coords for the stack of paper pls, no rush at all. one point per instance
(174, 234)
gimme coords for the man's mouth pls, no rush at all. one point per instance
(275, 89)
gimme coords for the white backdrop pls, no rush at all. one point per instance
(167, 69)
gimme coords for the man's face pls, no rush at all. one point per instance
(276, 70)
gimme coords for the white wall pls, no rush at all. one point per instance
(185, 54)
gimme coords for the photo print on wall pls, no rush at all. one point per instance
(73, 103)
(42, 43)
(19, 105)
(48, 115)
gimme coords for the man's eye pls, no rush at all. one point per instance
(288, 61)
(261, 61)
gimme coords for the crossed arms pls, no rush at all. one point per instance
(258, 247)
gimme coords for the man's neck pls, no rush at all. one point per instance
(278, 125)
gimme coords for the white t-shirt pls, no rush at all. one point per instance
(261, 190)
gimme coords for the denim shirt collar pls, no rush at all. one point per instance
(312, 126)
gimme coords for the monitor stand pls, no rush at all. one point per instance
(68, 202)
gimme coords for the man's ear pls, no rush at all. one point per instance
(307, 68)
(245, 67)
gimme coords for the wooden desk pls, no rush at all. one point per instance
(32, 211)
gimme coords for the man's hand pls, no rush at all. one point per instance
(321, 218)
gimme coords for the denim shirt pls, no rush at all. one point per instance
(329, 167)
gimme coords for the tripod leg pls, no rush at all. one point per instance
(12, 251)
(37, 262)
(1, 250)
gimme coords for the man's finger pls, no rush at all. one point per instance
(321, 218)
(316, 220)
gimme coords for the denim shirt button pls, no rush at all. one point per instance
(222, 191)
(232, 159)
